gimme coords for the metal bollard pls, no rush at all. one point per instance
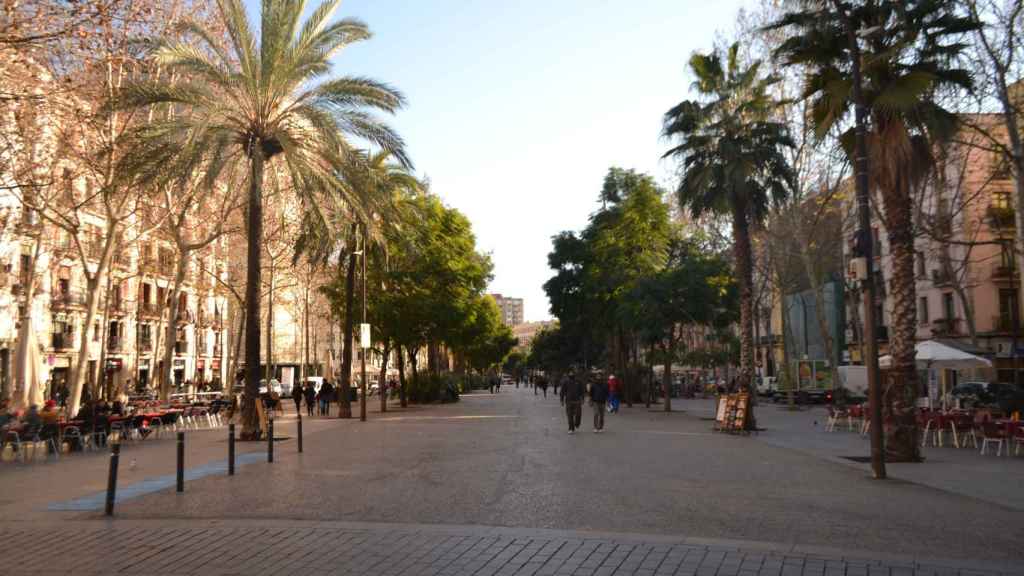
(181, 461)
(270, 439)
(231, 449)
(300, 433)
(115, 456)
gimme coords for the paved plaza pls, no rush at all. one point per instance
(494, 485)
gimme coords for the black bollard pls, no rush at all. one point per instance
(300, 433)
(231, 449)
(181, 461)
(115, 456)
(270, 439)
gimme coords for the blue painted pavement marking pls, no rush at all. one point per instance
(148, 486)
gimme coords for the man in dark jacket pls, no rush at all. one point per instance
(571, 395)
(598, 398)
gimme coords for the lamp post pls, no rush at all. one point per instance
(864, 245)
(364, 340)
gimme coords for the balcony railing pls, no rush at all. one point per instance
(941, 277)
(1002, 323)
(63, 341)
(1003, 272)
(1002, 217)
(148, 309)
(67, 299)
(217, 352)
(146, 344)
(114, 344)
(946, 326)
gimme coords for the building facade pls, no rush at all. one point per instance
(511, 309)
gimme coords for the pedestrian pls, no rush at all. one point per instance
(598, 399)
(614, 391)
(543, 383)
(492, 381)
(310, 398)
(572, 398)
(326, 395)
(297, 397)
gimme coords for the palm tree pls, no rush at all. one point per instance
(907, 54)
(731, 155)
(262, 103)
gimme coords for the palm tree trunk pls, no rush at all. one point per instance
(168, 368)
(383, 376)
(250, 419)
(744, 274)
(345, 407)
(900, 390)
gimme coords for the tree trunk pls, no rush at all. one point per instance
(384, 376)
(172, 329)
(900, 390)
(344, 405)
(101, 383)
(21, 385)
(666, 377)
(744, 274)
(254, 253)
(78, 381)
(401, 377)
(305, 335)
(235, 355)
(414, 363)
(269, 371)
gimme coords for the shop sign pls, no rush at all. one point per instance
(200, 364)
(215, 364)
(144, 364)
(179, 363)
(114, 364)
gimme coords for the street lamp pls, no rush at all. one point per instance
(864, 243)
(364, 336)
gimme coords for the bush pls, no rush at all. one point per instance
(426, 388)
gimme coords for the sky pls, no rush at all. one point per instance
(516, 110)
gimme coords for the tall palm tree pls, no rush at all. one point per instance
(908, 51)
(264, 103)
(731, 154)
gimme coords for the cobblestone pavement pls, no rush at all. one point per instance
(310, 548)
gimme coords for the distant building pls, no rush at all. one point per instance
(525, 333)
(511, 309)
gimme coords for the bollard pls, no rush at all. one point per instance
(231, 449)
(300, 433)
(181, 461)
(115, 455)
(270, 439)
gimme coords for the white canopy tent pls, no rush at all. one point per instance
(932, 354)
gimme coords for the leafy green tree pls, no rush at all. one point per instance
(694, 288)
(260, 102)
(730, 150)
(907, 51)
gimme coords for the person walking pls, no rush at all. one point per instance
(614, 390)
(310, 393)
(297, 397)
(542, 383)
(598, 399)
(572, 398)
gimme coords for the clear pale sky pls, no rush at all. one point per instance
(517, 109)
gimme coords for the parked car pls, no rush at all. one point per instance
(971, 394)
(766, 386)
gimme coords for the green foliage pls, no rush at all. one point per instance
(428, 388)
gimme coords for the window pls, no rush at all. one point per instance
(920, 264)
(876, 241)
(96, 331)
(1001, 168)
(879, 314)
(948, 307)
(1007, 308)
(1001, 200)
(1006, 259)
(922, 310)
(146, 289)
(25, 270)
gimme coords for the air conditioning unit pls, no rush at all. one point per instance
(1004, 350)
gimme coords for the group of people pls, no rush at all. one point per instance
(576, 387)
(319, 399)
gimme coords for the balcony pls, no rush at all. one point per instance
(146, 344)
(148, 310)
(64, 300)
(147, 265)
(946, 327)
(1002, 324)
(942, 277)
(114, 344)
(1002, 217)
(116, 307)
(217, 352)
(63, 341)
(1003, 273)
(184, 316)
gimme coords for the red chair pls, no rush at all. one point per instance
(994, 433)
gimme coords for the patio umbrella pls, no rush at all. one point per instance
(28, 390)
(933, 354)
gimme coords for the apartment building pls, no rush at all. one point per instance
(511, 309)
